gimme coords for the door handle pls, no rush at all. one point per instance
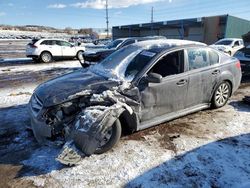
(215, 72)
(181, 82)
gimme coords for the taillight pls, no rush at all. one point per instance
(33, 46)
(238, 65)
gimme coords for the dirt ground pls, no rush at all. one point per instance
(210, 148)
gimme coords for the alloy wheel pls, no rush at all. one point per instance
(222, 94)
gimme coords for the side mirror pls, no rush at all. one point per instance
(154, 78)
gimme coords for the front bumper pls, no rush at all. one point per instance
(41, 130)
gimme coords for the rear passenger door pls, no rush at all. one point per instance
(204, 72)
(52, 47)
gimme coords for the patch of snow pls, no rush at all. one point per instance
(81, 93)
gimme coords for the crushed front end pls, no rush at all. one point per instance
(83, 119)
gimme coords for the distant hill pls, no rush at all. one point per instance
(38, 28)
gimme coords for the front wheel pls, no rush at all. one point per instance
(221, 95)
(111, 138)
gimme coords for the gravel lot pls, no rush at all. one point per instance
(13, 48)
(210, 148)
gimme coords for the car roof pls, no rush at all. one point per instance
(230, 39)
(166, 43)
(52, 39)
(146, 37)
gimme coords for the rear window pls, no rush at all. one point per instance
(197, 58)
(213, 57)
(48, 42)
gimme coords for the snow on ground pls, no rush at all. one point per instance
(210, 148)
(12, 33)
(19, 81)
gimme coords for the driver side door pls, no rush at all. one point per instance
(161, 99)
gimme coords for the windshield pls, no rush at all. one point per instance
(224, 42)
(124, 64)
(114, 43)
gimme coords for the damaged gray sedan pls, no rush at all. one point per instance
(137, 87)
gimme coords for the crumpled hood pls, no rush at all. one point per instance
(61, 89)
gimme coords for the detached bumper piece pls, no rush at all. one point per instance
(246, 99)
(70, 155)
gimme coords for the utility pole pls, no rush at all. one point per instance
(152, 20)
(152, 14)
(107, 18)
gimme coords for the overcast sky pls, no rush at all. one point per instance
(91, 13)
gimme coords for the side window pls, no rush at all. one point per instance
(58, 43)
(46, 42)
(213, 57)
(197, 58)
(63, 43)
(128, 42)
(52, 42)
(170, 64)
(236, 43)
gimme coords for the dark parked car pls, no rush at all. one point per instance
(244, 55)
(94, 56)
(136, 87)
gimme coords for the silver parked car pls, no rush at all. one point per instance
(136, 87)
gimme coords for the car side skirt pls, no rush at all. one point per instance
(171, 116)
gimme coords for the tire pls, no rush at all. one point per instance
(116, 131)
(78, 54)
(221, 94)
(46, 57)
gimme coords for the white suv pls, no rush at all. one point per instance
(46, 50)
(228, 45)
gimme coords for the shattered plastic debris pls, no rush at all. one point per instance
(70, 155)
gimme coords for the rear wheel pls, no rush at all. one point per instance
(111, 138)
(221, 95)
(46, 57)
